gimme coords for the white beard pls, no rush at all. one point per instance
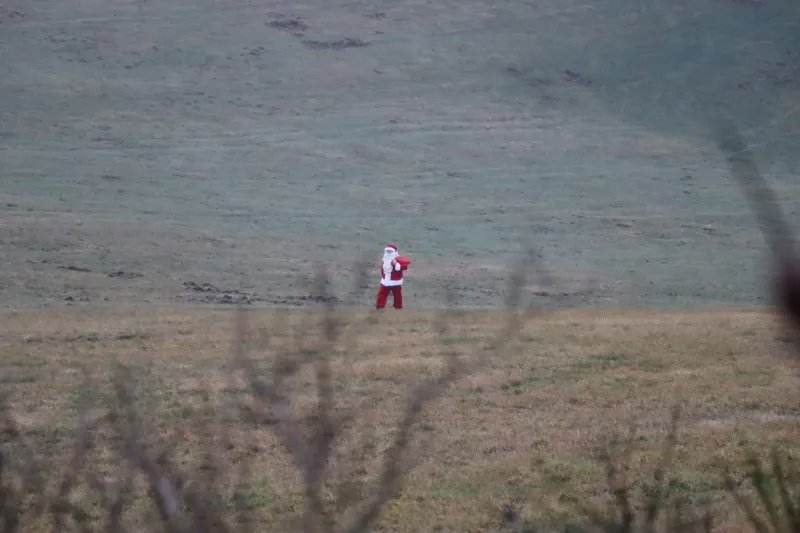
(387, 263)
(390, 255)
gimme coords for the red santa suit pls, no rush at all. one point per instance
(392, 268)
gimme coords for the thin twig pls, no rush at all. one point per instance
(392, 475)
(786, 287)
(163, 493)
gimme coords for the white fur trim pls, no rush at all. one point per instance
(391, 282)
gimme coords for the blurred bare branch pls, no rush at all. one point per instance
(396, 464)
(311, 447)
(162, 491)
(761, 197)
(194, 497)
(786, 283)
(658, 509)
(773, 507)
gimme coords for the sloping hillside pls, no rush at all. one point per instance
(239, 143)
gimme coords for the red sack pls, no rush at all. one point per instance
(404, 262)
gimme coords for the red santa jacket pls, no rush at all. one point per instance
(394, 271)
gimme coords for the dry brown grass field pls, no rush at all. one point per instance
(524, 427)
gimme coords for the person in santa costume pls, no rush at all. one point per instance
(392, 267)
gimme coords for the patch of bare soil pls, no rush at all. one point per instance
(211, 294)
(572, 76)
(10, 15)
(744, 2)
(290, 24)
(338, 44)
(549, 85)
(74, 268)
(207, 293)
(296, 26)
(121, 274)
(777, 74)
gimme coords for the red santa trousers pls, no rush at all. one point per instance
(383, 294)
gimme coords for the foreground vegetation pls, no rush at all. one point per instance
(514, 433)
(333, 420)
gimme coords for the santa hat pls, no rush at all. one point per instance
(392, 246)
